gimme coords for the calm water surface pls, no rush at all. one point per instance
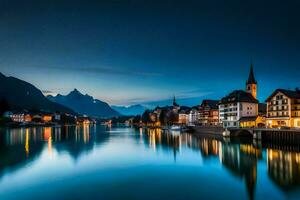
(126, 163)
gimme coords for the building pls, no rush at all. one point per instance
(27, 118)
(15, 116)
(209, 113)
(240, 108)
(193, 116)
(47, 118)
(256, 121)
(56, 117)
(183, 116)
(238, 105)
(283, 108)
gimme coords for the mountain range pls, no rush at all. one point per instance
(21, 95)
(84, 104)
(130, 110)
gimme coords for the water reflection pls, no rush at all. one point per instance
(22, 145)
(239, 159)
(284, 168)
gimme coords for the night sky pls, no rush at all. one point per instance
(145, 51)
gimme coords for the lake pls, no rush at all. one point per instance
(98, 162)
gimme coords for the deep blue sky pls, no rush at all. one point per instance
(133, 51)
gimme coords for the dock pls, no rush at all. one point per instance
(265, 134)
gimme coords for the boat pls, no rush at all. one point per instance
(175, 128)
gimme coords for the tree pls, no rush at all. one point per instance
(173, 117)
(4, 106)
(162, 117)
(146, 116)
(136, 119)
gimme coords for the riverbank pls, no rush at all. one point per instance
(208, 130)
(28, 125)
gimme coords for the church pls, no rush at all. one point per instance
(240, 107)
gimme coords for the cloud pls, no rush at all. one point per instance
(189, 98)
(48, 92)
(107, 70)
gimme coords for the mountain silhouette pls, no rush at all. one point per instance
(22, 95)
(84, 104)
(130, 110)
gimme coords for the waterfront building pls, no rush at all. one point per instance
(56, 116)
(193, 116)
(174, 114)
(183, 117)
(238, 105)
(27, 118)
(240, 108)
(209, 113)
(46, 117)
(256, 121)
(283, 108)
(15, 116)
(154, 119)
(37, 118)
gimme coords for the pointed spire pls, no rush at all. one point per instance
(174, 101)
(251, 78)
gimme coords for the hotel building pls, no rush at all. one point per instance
(283, 109)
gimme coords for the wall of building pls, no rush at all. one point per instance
(247, 109)
(283, 111)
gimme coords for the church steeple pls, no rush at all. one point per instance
(251, 78)
(251, 83)
(174, 102)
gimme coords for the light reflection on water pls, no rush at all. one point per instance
(127, 163)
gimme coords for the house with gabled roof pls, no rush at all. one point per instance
(283, 108)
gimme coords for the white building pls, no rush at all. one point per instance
(18, 117)
(193, 116)
(240, 106)
(237, 105)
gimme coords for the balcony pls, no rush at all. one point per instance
(277, 116)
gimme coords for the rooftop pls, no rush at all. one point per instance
(212, 104)
(238, 96)
(293, 94)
